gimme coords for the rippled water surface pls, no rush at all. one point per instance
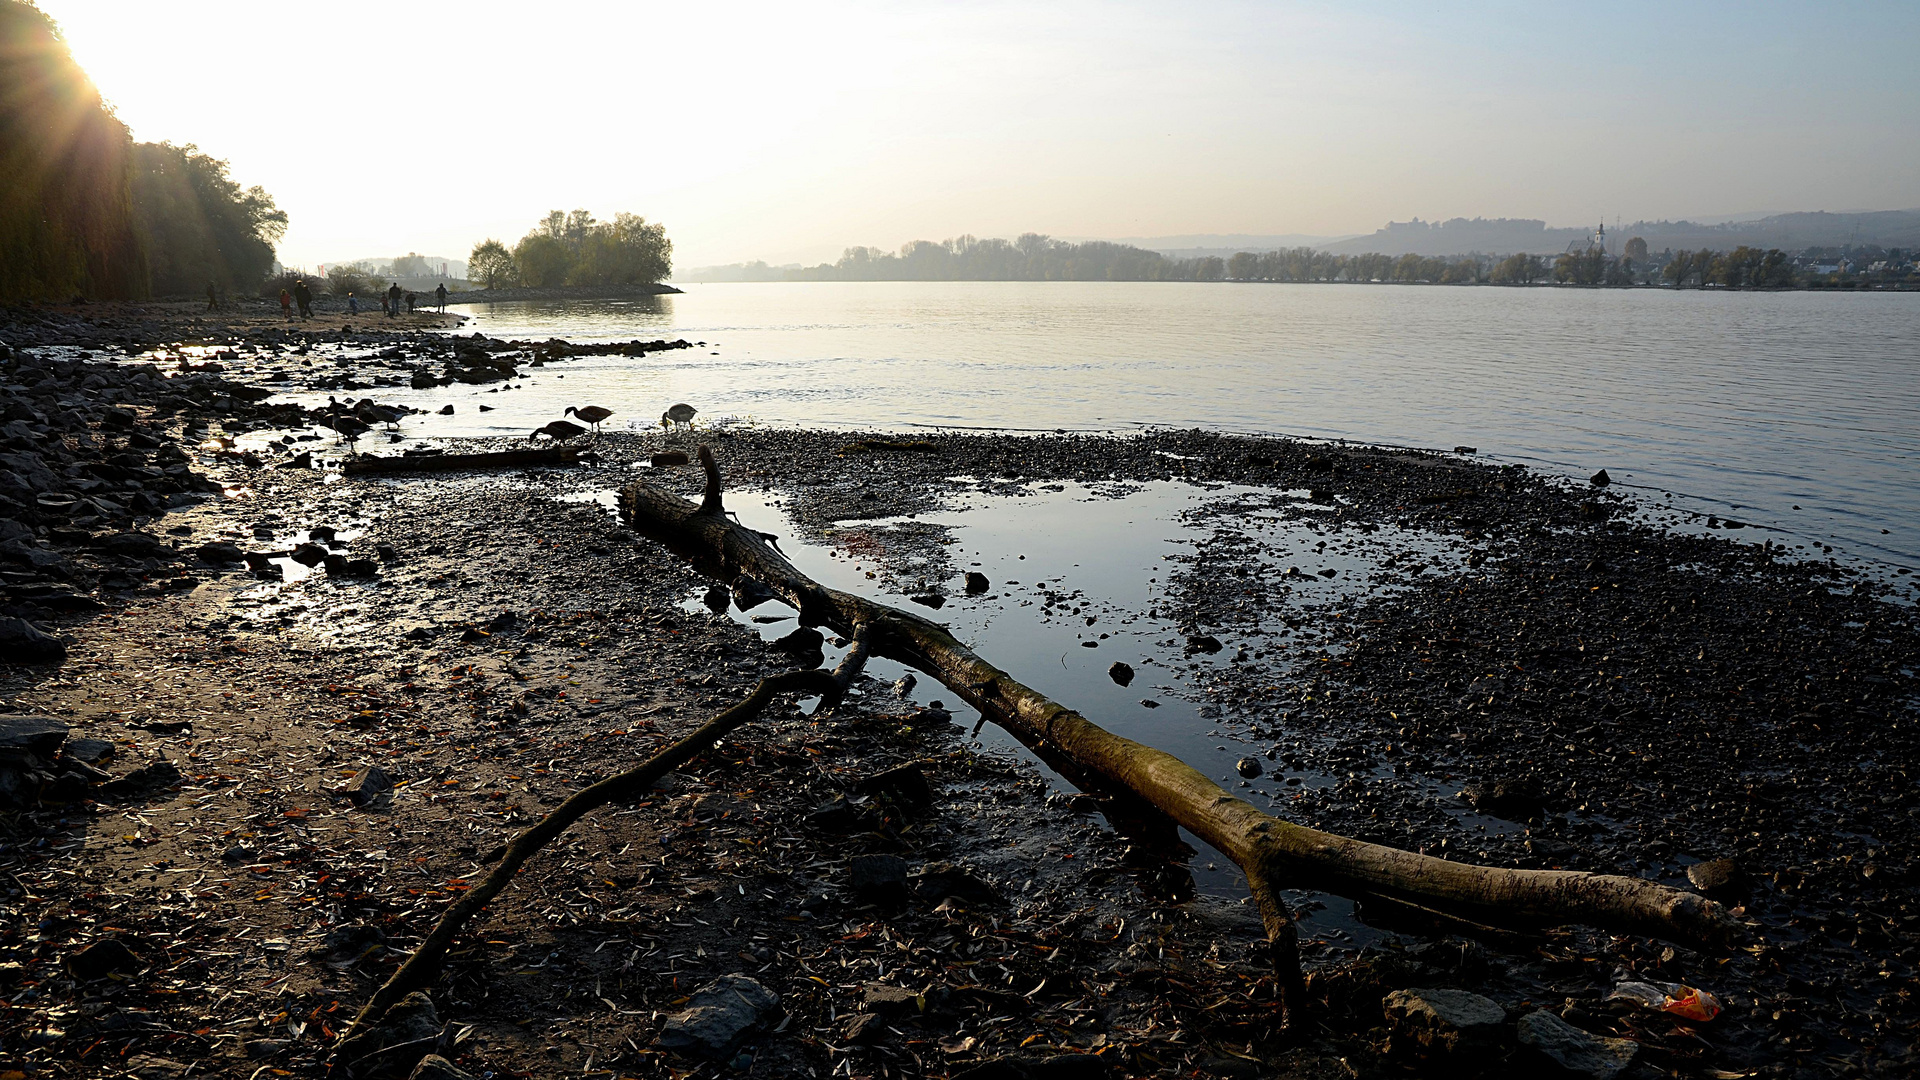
(1760, 402)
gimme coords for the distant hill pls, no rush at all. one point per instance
(1201, 245)
(1503, 236)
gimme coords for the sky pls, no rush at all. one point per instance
(787, 132)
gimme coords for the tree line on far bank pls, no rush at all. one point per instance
(1036, 257)
(574, 249)
(86, 211)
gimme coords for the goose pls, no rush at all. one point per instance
(679, 414)
(349, 428)
(558, 431)
(589, 414)
(373, 413)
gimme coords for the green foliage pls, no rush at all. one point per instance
(1587, 267)
(574, 249)
(491, 264)
(66, 204)
(200, 226)
(357, 278)
(1519, 269)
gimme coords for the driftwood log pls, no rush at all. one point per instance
(1273, 853)
(499, 459)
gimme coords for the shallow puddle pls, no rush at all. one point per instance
(1081, 577)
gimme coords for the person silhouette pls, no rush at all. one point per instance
(440, 294)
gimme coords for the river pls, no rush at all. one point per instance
(1796, 412)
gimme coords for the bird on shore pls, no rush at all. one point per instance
(589, 414)
(349, 428)
(374, 413)
(558, 431)
(680, 414)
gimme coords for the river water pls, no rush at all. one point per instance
(1797, 412)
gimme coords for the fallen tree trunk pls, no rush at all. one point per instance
(1273, 853)
(499, 459)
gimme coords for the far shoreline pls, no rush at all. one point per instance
(564, 292)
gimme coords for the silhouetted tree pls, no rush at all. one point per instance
(199, 226)
(490, 264)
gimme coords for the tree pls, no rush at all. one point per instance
(198, 224)
(67, 223)
(354, 277)
(1244, 266)
(543, 260)
(411, 265)
(1519, 269)
(490, 263)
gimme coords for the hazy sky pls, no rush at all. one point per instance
(787, 131)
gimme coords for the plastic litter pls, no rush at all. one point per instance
(1676, 998)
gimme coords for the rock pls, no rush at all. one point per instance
(40, 736)
(1149, 703)
(1442, 1023)
(803, 643)
(717, 598)
(1205, 643)
(904, 685)
(368, 785)
(222, 553)
(147, 780)
(977, 582)
(880, 880)
(669, 458)
(934, 713)
(348, 945)
(102, 958)
(435, 1067)
(836, 815)
(1121, 673)
(261, 562)
(1466, 449)
(890, 1000)
(865, 1029)
(446, 410)
(904, 784)
(944, 881)
(1714, 876)
(89, 750)
(719, 1017)
(749, 593)
(1578, 1052)
(1600, 479)
(932, 600)
(21, 642)
(386, 551)
(1518, 799)
(137, 545)
(1247, 767)
(309, 554)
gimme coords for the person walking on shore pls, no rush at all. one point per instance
(353, 304)
(213, 297)
(393, 299)
(286, 305)
(304, 297)
(411, 298)
(440, 294)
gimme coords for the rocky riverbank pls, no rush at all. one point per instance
(238, 789)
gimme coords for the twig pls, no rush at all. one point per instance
(423, 966)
